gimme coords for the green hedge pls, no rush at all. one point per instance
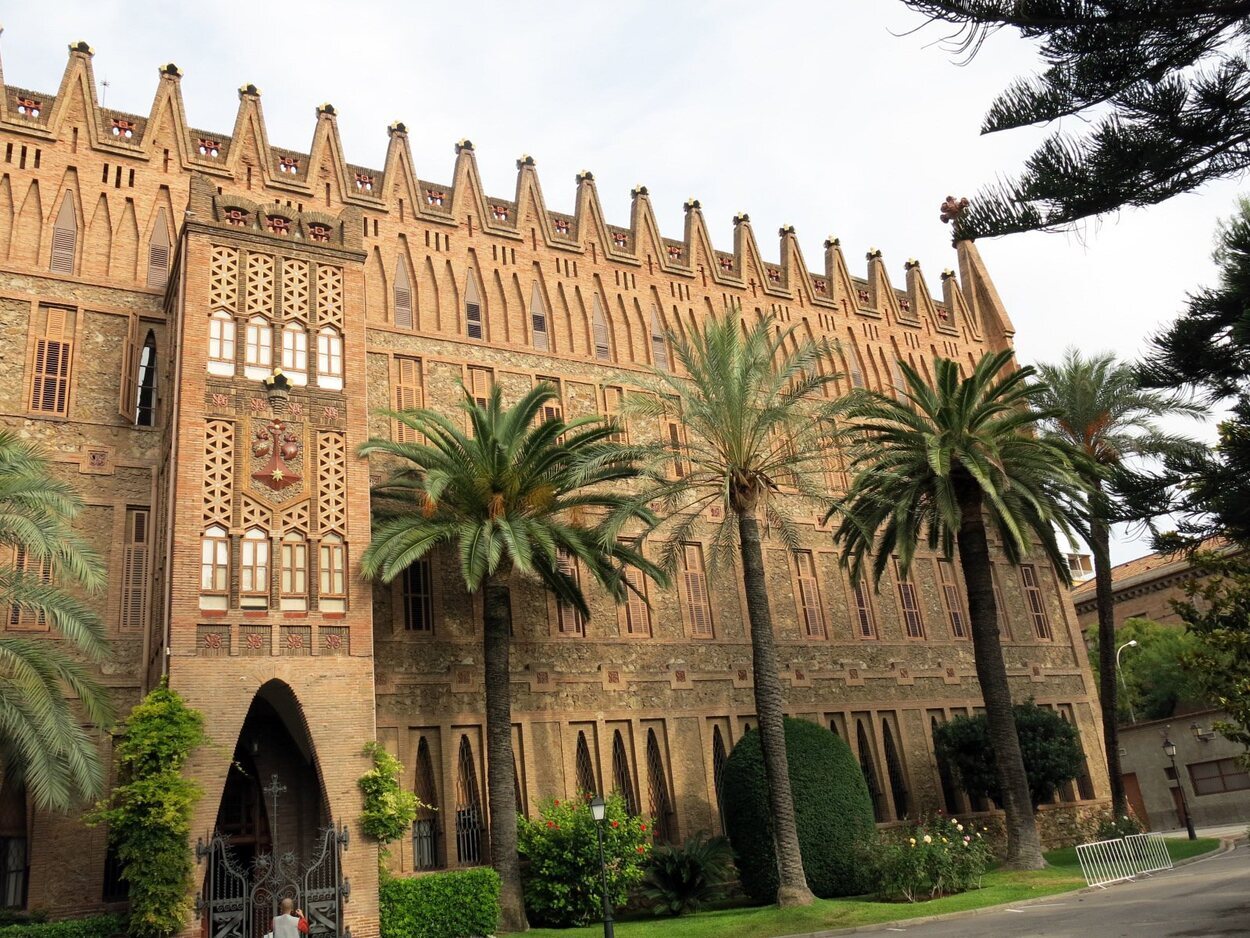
(97, 926)
(455, 904)
(832, 808)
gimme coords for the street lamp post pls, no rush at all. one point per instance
(599, 811)
(1169, 749)
(1131, 643)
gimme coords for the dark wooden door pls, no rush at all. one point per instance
(1132, 791)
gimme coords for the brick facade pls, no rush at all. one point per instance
(194, 236)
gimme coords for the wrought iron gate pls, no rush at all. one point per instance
(235, 902)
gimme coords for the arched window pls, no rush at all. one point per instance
(254, 570)
(158, 252)
(403, 296)
(950, 792)
(295, 353)
(473, 325)
(221, 343)
(538, 319)
(425, 827)
(64, 237)
(868, 766)
(293, 579)
(329, 358)
(659, 342)
(14, 850)
(585, 768)
(145, 405)
(622, 777)
(719, 758)
(603, 335)
(333, 574)
(661, 805)
(468, 808)
(258, 348)
(214, 567)
(894, 769)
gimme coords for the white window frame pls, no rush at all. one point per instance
(295, 353)
(330, 358)
(222, 332)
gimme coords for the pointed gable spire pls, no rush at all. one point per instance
(399, 176)
(842, 289)
(325, 159)
(980, 292)
(75, 99)
(466, 186)
(249, 157)
(166, 127)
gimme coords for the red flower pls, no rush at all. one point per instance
(557, 802)
(551, 823)
(641, 849)
(642, 827)
(616, 823)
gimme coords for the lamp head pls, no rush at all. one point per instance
(598, 808)
(1169, 748)
(1132, 643)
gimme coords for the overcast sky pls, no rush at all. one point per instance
(827, 116)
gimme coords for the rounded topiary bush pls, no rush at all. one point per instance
(832, 809)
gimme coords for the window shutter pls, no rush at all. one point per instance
(809, 595)
(50, 389)
(158, 252)
(64, 237)
(603, 343)
(659, 345)
(135, 571)
(568, 618)
(403, 296)
(408, 394)
(857, 373)
(128, 394)
(696, 592)
(538, 319)
(472, 310)
(674, 445)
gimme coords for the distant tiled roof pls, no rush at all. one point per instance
(1132, 569)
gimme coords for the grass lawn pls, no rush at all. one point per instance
(1063, 875)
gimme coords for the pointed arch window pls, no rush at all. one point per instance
(145, 392)
(293, 581)
(659, 342)
(622, 777)
(295, 353)
(221, 335)
(896, 375)
(719, 758)
(214, 567)
(661, 805)
(403, 296)
(868, 766)
(14, 856)
(158, 252)
(585, 767)
(950, 791)
(468, 819)
(538, 319)
(853, 365)
(64, 237)
(603, 335)
(258, 348)
(473, 326)
(254, 570)
(330, 358)
(425, 853)
(894, 769)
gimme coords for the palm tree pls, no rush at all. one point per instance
(43, 743)
(751, 402)
(1099, 409)
(515, 495)
(944, 463)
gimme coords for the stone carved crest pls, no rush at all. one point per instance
(278, 448)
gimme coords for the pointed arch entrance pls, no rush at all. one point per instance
(274, 836)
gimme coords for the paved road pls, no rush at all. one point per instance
(1206, 899)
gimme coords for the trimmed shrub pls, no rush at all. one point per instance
(563, 884)
(97, 926)
(455, 904)
(832, 808)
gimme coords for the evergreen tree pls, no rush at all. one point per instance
(1163, 87)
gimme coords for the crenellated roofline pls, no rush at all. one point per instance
(322, 176)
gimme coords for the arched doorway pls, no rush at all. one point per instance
(274, 837)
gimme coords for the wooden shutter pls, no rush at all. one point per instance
(1037, 606)
(909, 604)
(538, 318)
(64, 237)
(696, 591)
(128, 394)
(568, 619)
(950, 589)
(408, 395)
(613, 400)
(857, 372)
(674, 443)
(659, 344)
(158, 252)
(809, 595)
(135, 570)
(403, 296)
(53, 351)
(481, 380)
(863, 611)
(472, 310)
(554, 408)
(637, 614)
(603, 341)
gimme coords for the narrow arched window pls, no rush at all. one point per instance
(221, 333)
(603, 335)
(145, 405)
(661, 804)
(622, 777)
(585, 768)
(950, 791)
(295, 353)
(425, 828)
(719, 758)
(469, 821)
(329, 358)
(403, 296)
(868, 766)
(64, 237)
(158, 252)
(659, 342)
(473, 326)
(538, 319)
(894, 769)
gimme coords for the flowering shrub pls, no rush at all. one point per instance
(936, 857)
(562, 884)
(389, 810)
(1112, 827)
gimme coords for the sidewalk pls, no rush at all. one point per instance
(1222, 831)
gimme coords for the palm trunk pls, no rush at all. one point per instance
(500, 781)
(1024, 846)
(1100, 544)
(770, 711)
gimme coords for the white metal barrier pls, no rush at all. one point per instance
(1148, 852)
(1104, 862)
